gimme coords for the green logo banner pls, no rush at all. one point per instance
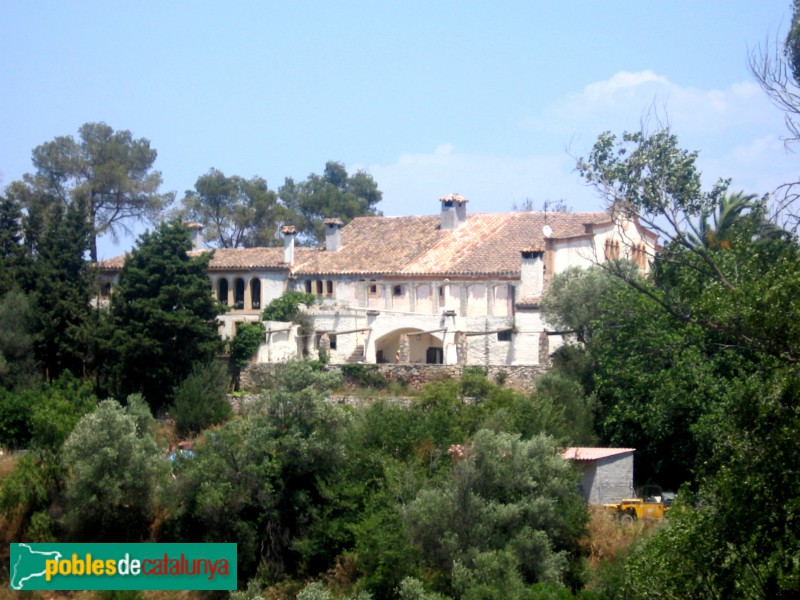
(122, 567)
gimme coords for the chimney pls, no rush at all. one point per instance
(196, 232)
(333, 239)
(289, 232)
(454, 212)
(532, 272)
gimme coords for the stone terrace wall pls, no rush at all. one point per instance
(520, 377)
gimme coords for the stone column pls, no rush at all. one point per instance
(462, 348)
(544, 349)
(247, 299)
(387, 296)
(490, 299)
(404, 349)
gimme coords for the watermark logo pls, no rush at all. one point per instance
(122, 567)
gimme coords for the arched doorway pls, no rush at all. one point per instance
(424, 348)
(222, 291)
(255, 293)
(238, 294)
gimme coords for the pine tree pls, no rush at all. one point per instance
(163, 315)
(62, 288)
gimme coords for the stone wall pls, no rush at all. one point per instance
(520, 377)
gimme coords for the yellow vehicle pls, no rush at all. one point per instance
(652, 503)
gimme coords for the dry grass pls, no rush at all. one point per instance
(8, 462)
(608, 540)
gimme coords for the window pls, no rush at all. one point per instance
(639, 255)
(329, 289)
(397, 290)
(332, 338)
(222, 291)
(308, 286)
(105, 289)
(238, 294)
(612, 249)
(504, 336)
(373, 288)
(255, 293)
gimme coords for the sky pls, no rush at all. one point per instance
(492, 100)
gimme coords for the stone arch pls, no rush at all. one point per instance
(423, 347)
(255, 293)
(222, 291)
(238, 293)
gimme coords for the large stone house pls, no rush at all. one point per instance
(452, 288)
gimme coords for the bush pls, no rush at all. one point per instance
(287, 306)
(364, 375)
(249, 336)
(201, 399)
(114, 470)
(43, 417)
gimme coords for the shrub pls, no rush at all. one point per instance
(286, 307)
(249, 336)
(364, 375)
(201, 399)
(114, 470)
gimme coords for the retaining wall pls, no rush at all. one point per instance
(518, 377)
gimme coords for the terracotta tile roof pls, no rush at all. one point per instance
(225, 259)
(578, 453)
(487, 244)
(246, 258)
(529, 302)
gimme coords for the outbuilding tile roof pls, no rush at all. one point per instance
(581, 453)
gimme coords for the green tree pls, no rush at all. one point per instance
(114, 471)
(249, 336)
(734, 211)
(234, 211)
(571, 301)
(332, 194)
(256, 481)
(12, 251)
(17, 364)
(201, 400)
(695, 360)
(63, 317)
(162, 314)
(110, 171)
(507, 502)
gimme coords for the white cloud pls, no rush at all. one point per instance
(735, 129)
(628, 98)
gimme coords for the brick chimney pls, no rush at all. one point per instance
(454, 212)
(333, 238)
(289, 233)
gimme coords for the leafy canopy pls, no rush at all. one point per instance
(235, 212)
(110, 171)
(163, 315)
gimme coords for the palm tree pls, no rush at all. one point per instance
(733, 212)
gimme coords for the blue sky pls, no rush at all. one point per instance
(488, 99)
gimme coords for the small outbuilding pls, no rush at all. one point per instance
(606, 473)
